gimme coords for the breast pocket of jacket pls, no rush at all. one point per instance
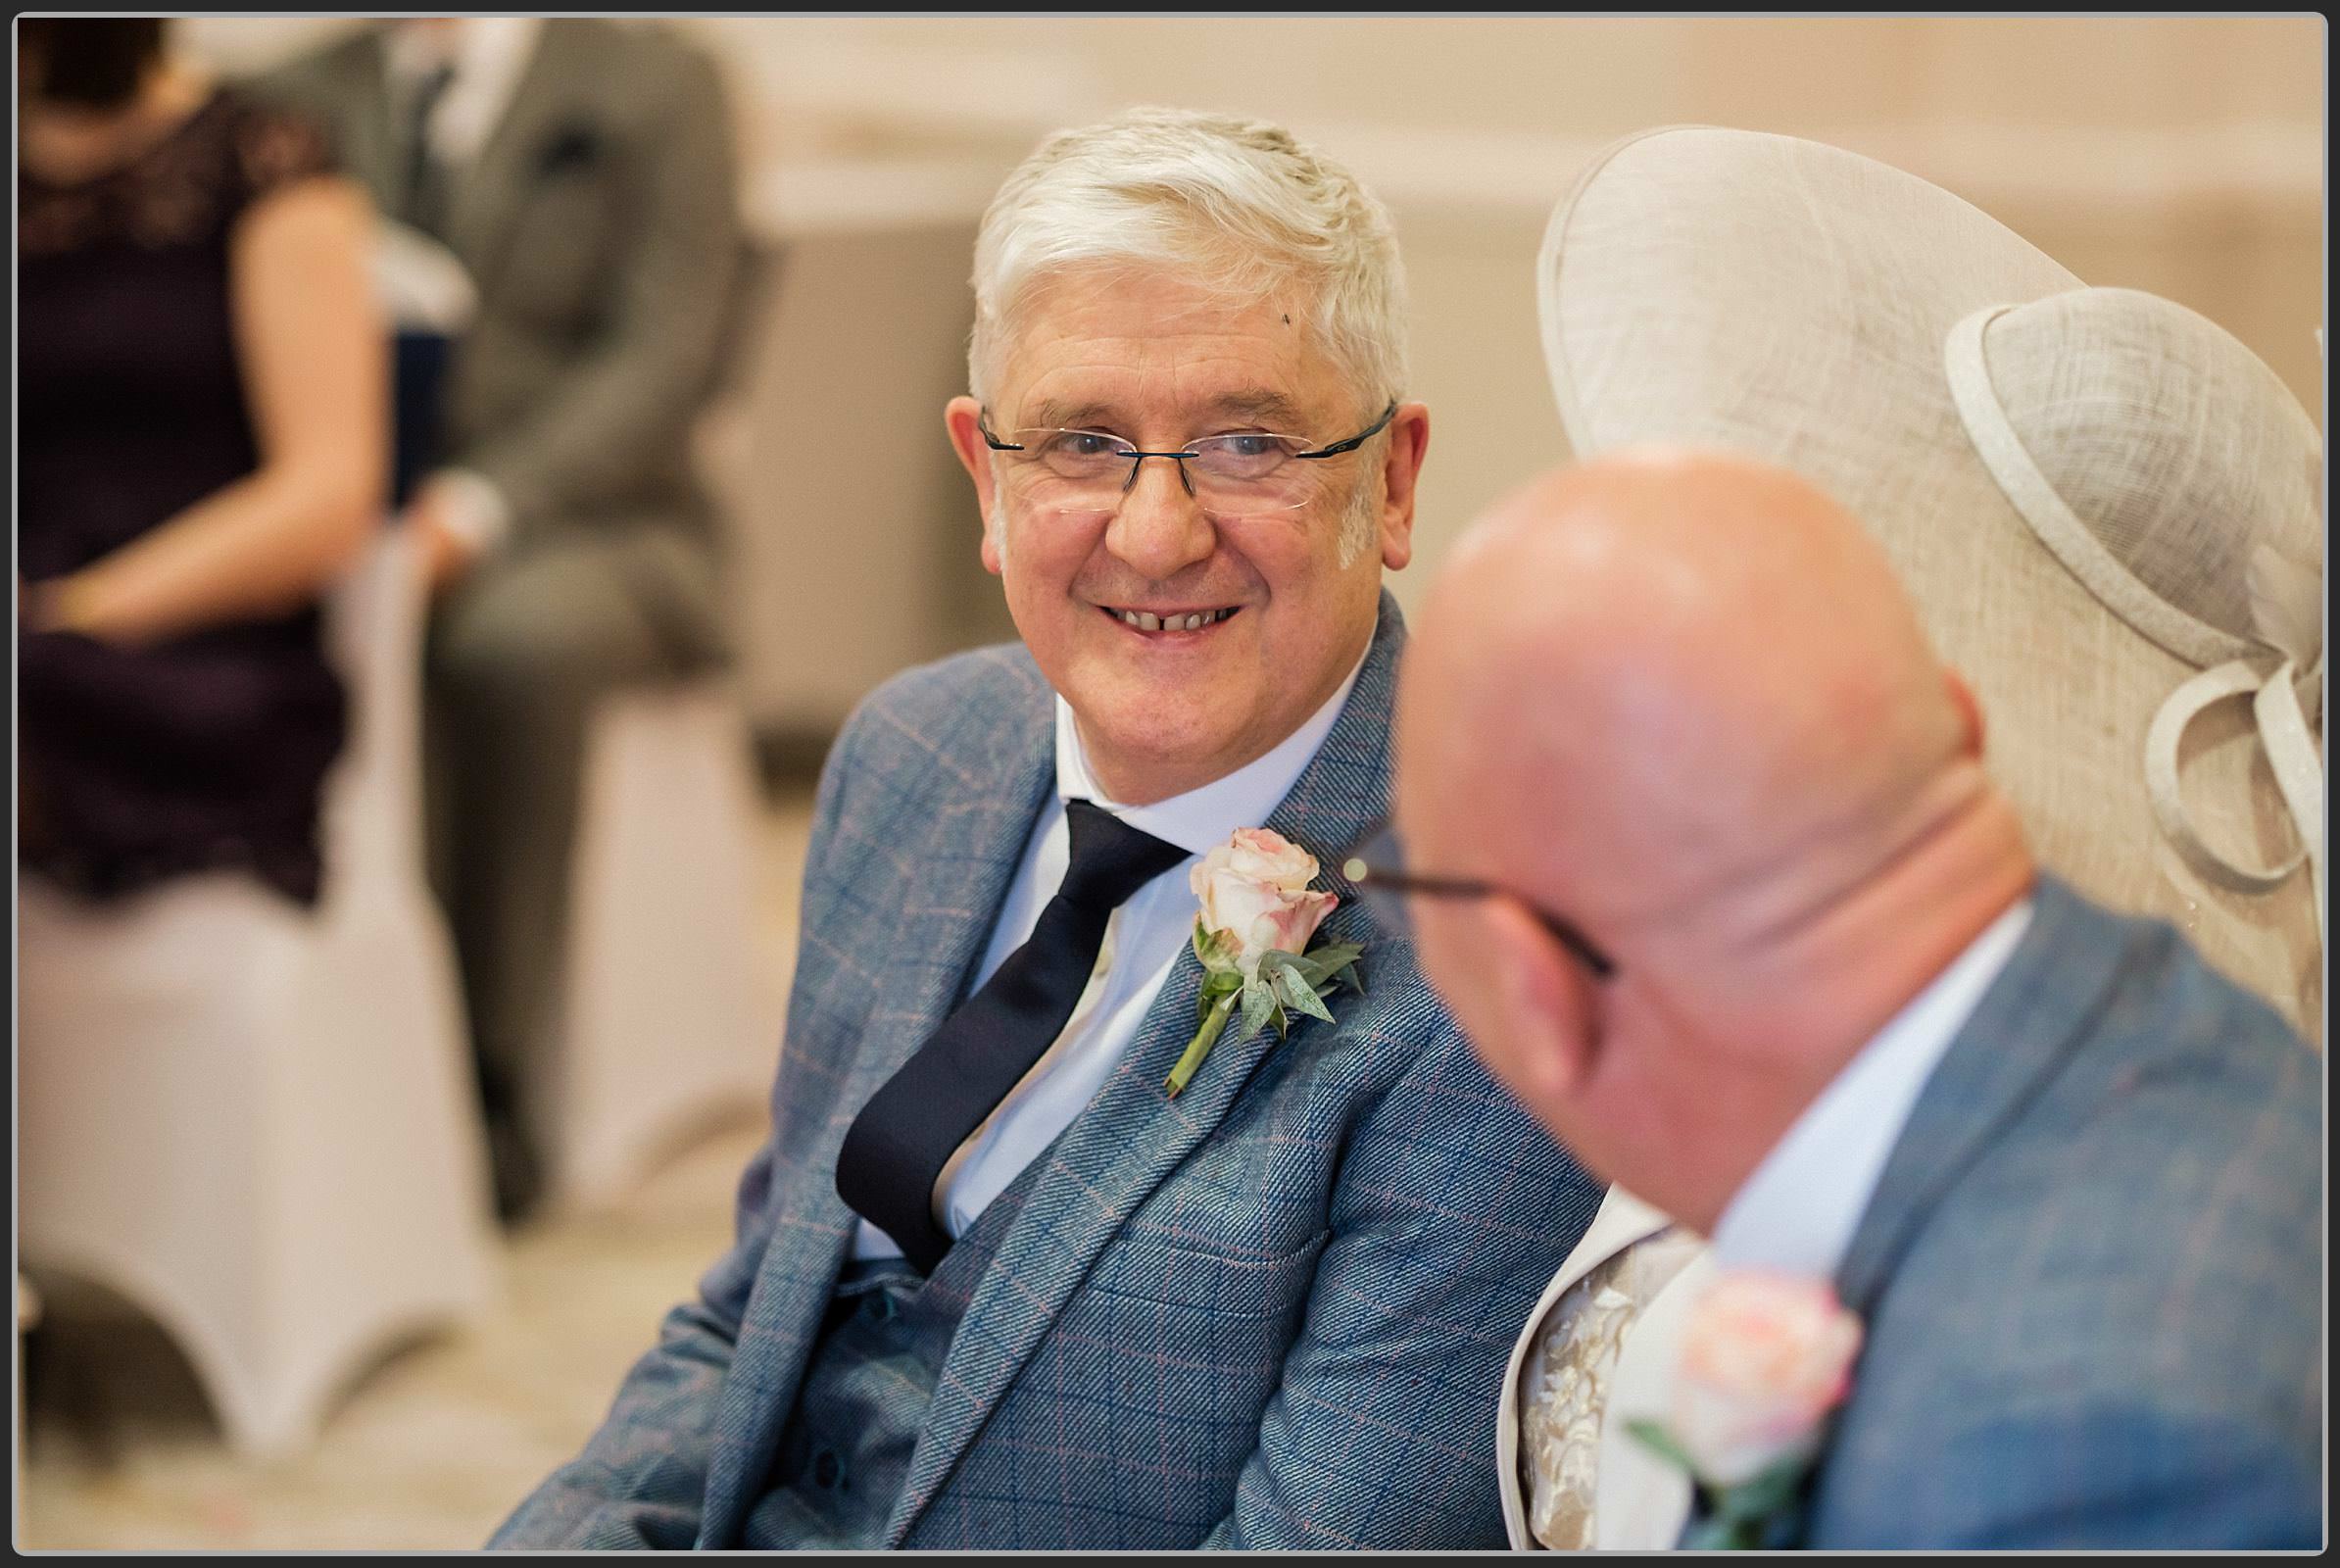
(1186, 1347)
(1150, 1269)
(567, 240)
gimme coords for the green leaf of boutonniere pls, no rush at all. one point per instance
(1294, 992)
(1654, 1437)
(1216, 987)
(1737, 1517)
(1259, 1006)
(1330, 963)
(1766, 1494)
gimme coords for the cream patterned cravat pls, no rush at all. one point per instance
(1564, 1382)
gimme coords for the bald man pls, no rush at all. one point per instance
(1747, 925)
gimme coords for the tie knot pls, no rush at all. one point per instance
(1110, 860)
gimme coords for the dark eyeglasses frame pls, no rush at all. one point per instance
(1365, 874)
(983, 423)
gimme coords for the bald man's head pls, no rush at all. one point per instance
(1680, 700)
(1666, 676)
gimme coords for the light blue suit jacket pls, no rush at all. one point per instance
(1271, 1312)
(2092, 1273)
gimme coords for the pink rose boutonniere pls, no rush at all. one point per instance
(1251, 934)
(1766, 1357)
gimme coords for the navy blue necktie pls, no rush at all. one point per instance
(425, 206)
(896, 1149)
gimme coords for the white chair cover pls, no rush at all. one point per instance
(256, 1121)
(668, 1019)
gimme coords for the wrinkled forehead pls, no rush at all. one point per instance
(1104, 340)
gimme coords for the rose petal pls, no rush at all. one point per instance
(1765, 1358)
(1268, 857)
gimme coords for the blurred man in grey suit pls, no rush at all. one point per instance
(582, 172)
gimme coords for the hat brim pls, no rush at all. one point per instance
(1790, 300)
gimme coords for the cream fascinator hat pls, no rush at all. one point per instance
(2106, 508)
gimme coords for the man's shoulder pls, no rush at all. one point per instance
(982, 699)
(2130, 1291)
(315, 77)
(2162, 995)
(646, 54)
(2180, 1100)
(2165, 1212)
(979, 687)
(2143, 1232)
(2177, 1070)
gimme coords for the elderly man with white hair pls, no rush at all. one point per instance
(1124, 1188)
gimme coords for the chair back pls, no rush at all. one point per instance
(372, 812)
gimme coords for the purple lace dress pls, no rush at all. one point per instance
(208, 750)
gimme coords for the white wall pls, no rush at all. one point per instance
(2180, 155)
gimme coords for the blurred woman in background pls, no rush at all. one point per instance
(203, 427)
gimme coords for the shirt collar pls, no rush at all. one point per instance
(1798, 1211)
(494, 45)
(1203, 818)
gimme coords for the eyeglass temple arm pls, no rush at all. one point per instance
(1355, 441)
(983, 425)
(1365, 874)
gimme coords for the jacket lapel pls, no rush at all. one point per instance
(956, 873)
(2020, 1034)
(369, 142)
(1622, 1221)
(1641, 1502)
(546, 96)
(1132, 1136)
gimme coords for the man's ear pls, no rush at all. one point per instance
(1970, 710)
(1401, 469)
(1549, 1002)
(960, 417)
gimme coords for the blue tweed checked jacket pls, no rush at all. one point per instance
(2092, 1272)
(1272, 1312)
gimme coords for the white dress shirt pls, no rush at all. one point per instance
(488, 56)
(1141, 945)
(1798, 1211)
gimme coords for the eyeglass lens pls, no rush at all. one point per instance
(1080, 471)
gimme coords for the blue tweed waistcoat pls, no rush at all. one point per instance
(847, 1445)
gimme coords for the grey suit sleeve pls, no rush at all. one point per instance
(642, 1476)
(1451, 1214)
(626, 410)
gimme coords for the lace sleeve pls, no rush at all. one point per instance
(274, 147)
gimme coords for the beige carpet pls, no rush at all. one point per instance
(434, 1446)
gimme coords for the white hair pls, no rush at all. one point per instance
(1237, 205)
(1362, 517)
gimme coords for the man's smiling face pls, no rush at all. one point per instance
(1245, 624)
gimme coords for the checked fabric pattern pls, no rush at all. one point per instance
(1273, 1312)
(2091, 1270)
